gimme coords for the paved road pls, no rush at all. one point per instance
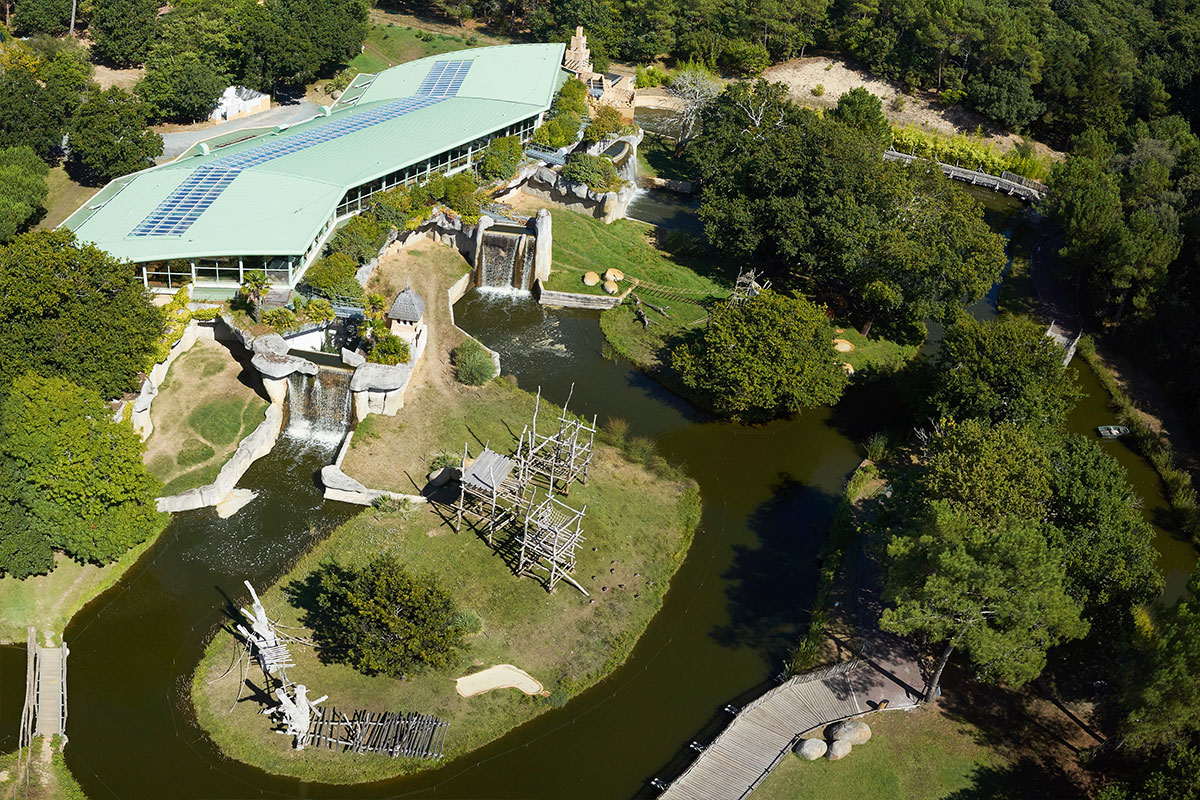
(176, 143)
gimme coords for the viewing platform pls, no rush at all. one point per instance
(1008, 183)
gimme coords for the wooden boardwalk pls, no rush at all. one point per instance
(1007, 183)
(764, 731)
(51, 691)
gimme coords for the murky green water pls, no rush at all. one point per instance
(732, 609)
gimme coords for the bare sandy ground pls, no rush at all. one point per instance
(501, 676)
(123, 78)
(920, 109)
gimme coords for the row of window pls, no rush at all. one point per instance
(446, 162)
(222, 271)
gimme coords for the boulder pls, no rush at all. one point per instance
(590, 279)
(611, 287)
(854, 731)
(546, 175)
(332, 477)
(234, 502)
(811, 749)
(274, 365)
(352, 358)
(379, 377)
(838, 750)
(614, 274)
(271, 343)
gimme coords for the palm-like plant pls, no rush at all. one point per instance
(254, 286)
(375, 304)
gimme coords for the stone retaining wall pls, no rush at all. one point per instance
(576, 299)
(253, 447)
(453, 295)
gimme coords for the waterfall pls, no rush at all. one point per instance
(319, 406)
(499, 265)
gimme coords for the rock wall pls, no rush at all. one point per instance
(253, 447)
(453, 295)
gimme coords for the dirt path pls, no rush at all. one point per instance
(919, 109)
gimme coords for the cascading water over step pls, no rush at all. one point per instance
(319, 406)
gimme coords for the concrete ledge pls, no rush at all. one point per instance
(253, 447)
(577, 300)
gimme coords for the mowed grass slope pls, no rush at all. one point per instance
(389, 44)
(206, 405)
(638, 528)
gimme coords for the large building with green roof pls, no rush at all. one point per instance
(268, 199)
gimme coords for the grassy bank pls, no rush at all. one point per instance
(919, 755)
(1155, 446)
(389, 44)
(63, 197)
(638, 528)
(49, 777)
(207, 404)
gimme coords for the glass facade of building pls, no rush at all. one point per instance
(228, 271)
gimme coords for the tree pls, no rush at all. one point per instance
(73, 474)
(254, 286)
(863, 111)
(26, 118)
(22, 189)
(1107, 547)
(992, 590)
(501, 158)
(388, 349)
(1002, 371)
(381, 619)
(693, 86)
(72, 310)
(181, 87)
(605, 124)
(597, 172)
(42, 16)
(763, 358)
(109, 137)
(122, 30)
(1006, 96)
(1165, 707)
(988, 472)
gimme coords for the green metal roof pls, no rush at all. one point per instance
(276, 207)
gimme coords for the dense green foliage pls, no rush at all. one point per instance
(1006, 371)
(181, 88)
(1165, 709)
(767, 357)
(73, 311)
(380, 619)
(70, 475)
(565, 117)
(22, 189)
(860, 109)
(332, 277)
(109, 137)
(42, 16)
(360, 238)
(596, 172)
(502, 158)
(605, 124)
(43, 82)
(120, 30)
(473, 365)
(388, 349)
(811, 200)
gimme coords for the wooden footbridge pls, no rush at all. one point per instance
(763, 732)
(45, 710)
(1008, 183)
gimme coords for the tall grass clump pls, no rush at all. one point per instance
(473, 364)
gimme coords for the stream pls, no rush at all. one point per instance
(732, 610)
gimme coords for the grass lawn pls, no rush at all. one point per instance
(639, 523)
(49, 777)
(64, 196)
(207, 404)
(874, 353)
(657, 159)
(918, 755)
(389, 44)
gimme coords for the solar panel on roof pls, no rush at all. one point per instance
(175, 214)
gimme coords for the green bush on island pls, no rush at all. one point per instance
(597, 172)
(380, 619)
(763, 358)
(473, 364)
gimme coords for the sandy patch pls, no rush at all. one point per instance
(124, 78)
(842, 346)
(501, 676)
(920, 108)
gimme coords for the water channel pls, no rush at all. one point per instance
(731, 611)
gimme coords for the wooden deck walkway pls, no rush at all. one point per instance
(764, 731)
(1008, 183)
(51, 691)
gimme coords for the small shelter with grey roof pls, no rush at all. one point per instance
(490, 491)
(407, 320)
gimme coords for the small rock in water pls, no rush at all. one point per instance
(593, 549)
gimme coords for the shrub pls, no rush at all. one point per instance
(443, 460)
(615, 430)
(970, 152)
(597, 172)
(340, 81)
(473, 364)
(502, 158)
(470, 622)
(605, 124)
(818, 90)
(281, 319)
(206, 314)
(649, 77)
(320, 310)
(572, 98)
(560, 131)
(332, 277)
(877, 446)
(360, 238)
(396, 208)
(389, 349)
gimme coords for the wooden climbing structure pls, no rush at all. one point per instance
(491, 491)
(747, 287)
(551, 535)
(393, 734)
(562, 456)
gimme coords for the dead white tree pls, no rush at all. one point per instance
(694, 88)
(295, 713)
